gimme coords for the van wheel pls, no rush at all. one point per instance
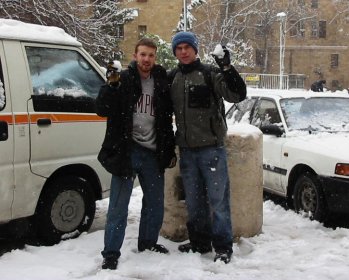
(309, 198)
(66, 208)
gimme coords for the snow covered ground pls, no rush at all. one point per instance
(289, 247)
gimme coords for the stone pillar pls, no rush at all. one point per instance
(175, 216)
(245, 162)
(245, 157)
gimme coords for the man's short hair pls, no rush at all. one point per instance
(146, 42)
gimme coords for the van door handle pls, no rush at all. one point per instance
(3, 131)
(44, 121)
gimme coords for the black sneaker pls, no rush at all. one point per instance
(156, 248)
(224, 256)
(186, 248)
(110, 263)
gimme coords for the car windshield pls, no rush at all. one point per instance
(330, 114)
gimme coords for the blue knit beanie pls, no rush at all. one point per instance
(185, 37)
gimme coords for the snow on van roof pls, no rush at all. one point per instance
(17, 30)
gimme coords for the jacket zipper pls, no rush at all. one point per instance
(186, 92)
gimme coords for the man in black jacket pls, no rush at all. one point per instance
(318, 86)
(139, 141)
(201, 130)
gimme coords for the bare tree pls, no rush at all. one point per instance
(190, 18)
(246, 26)
(93, 23)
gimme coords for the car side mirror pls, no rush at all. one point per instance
(272, 129)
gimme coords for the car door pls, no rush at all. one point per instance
(265, 113)
(6, 143)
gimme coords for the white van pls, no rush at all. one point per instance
(49, 133)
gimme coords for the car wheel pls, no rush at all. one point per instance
(66, 208)
(308, 197)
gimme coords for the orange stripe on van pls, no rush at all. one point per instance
(55, 118)
(7, 118)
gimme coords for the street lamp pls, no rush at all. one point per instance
(185, 14)
(282, 18)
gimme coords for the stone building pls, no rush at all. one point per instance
(158, 17)
(317, 48)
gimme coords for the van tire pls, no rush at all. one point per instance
(66, 208)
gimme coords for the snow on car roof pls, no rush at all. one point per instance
(16, 30)
(293, 93)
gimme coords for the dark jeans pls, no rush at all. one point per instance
(144, 165)
(207, 194)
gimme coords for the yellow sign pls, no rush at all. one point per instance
(252, 78)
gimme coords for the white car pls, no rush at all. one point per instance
(305, 146)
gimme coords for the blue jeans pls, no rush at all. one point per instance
(205, 178)
(144, 165)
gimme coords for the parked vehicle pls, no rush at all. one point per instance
(49, 133)
(305, 146)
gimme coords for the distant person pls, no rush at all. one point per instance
(197, 90)
(318, 86)
(139, 140)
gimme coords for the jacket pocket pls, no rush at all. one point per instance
(109, 160)
(198, 96)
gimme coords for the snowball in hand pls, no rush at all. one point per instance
(218, 51)
(116, 64)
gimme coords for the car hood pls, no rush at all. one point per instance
(335, 145)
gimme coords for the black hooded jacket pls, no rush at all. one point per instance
(117, 104)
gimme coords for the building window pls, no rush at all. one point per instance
(119, 31)
(142, 30)
(260, 57)
(334, 60)
(301, 28)
(314, 29)
(260, 29)
(297, 28)
(293, 30)
(315, 4)
(322, 29)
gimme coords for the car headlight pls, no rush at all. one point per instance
(342, 169)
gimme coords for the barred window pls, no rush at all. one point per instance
(142, 30)
(334, 60)
(119, 31)
(315, 4)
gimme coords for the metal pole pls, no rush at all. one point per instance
(280, 60)
(185, 14)
(282, 17)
